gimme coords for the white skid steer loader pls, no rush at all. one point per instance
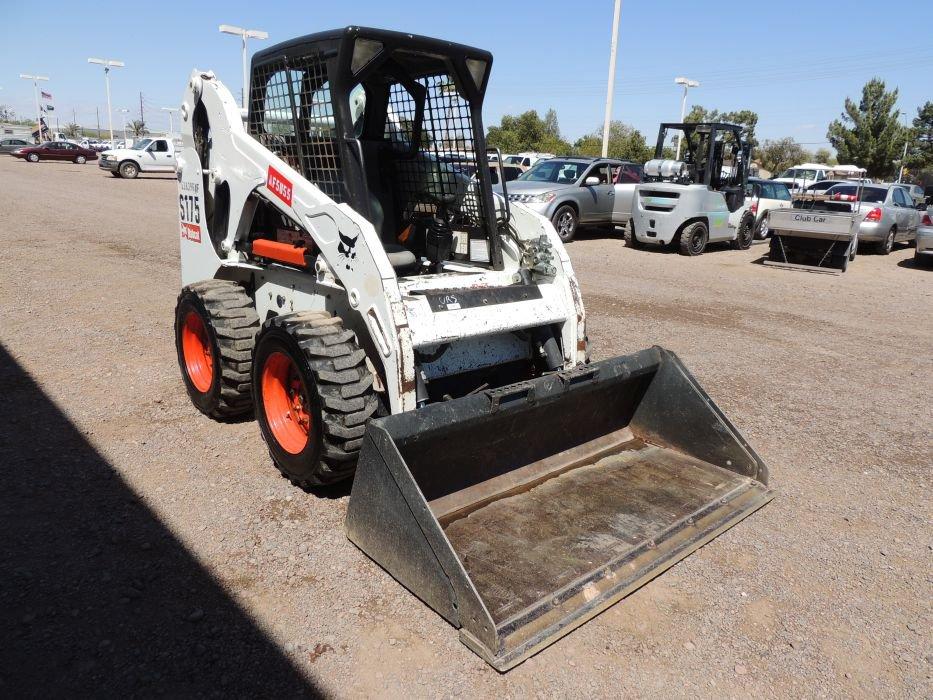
(349, 277)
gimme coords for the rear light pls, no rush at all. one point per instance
(874, 215)
(926, 221)
(753, 208)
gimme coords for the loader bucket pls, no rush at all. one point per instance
(520, 513)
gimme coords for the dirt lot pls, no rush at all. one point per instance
(147, 550)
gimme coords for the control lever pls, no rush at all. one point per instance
(439, 239)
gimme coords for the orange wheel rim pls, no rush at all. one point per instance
(285, 400)
(196, 349)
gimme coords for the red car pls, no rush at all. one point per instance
(56, 150)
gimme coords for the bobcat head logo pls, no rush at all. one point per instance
(347, 249)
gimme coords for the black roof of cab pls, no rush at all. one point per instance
(335, 42)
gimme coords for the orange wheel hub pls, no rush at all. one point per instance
(196, 349)
(285, 400)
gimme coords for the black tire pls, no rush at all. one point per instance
(761, 228)
(129, 169)
(693, 239)
(884, 247)
(630, 240)
(80, 160)
(565, 222)
(32, 157)
(745, 233)
(338, 395)
(230, 321)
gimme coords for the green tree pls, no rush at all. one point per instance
(920, 148)
(776, 155)
(72, 130)
(625, 143)
(6, 113)
(869, 133)
(528, 132)
(743, 117)
(823, 155)
(138, 127)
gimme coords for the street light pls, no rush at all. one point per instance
(613, 45)
(244, 34)
(683, 106)
(35, 86)
(108, 64)
(124, 111)
(171, 122)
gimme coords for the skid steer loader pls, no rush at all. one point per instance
(382, 312)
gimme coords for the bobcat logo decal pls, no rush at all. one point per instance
(347, 249)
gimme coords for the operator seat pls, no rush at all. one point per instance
(402, 260)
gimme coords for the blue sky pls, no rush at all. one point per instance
(792, 62)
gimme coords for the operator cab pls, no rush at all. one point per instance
(391, 125)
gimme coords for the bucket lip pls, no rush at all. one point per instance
(752, 495)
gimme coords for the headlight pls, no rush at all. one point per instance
(542, 198)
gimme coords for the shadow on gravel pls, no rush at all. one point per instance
(97, 597)
(915, 264)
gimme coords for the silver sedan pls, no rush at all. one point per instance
(888, 213)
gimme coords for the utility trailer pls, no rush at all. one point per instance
(818, 234)
(387, 318)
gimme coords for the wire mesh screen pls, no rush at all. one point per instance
(445, 167)
(292, 115)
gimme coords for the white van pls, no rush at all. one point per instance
(802, 176)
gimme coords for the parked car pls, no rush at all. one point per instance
(568, 191)
(765, 195)
(889, 214)
(821, 186)
(512, 172)
(924, 250)
(526, 160)
(804, 175)
(148, 155)
(56, 150)
(8, 145)
(916, 193)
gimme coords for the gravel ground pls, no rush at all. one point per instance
(148, 550)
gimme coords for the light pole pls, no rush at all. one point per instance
(35, 86)
(683, 106)
(124, 111)
(245, 34)
(171, 122)
(613, 45)
(108, 64)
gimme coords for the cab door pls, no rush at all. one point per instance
(624, 180)
(149, 161)
(162, 155)
(596, 203)
(55, 151)
(903, 213)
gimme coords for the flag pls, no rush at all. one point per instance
(46, 95)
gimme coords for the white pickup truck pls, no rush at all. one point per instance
(148, 155)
